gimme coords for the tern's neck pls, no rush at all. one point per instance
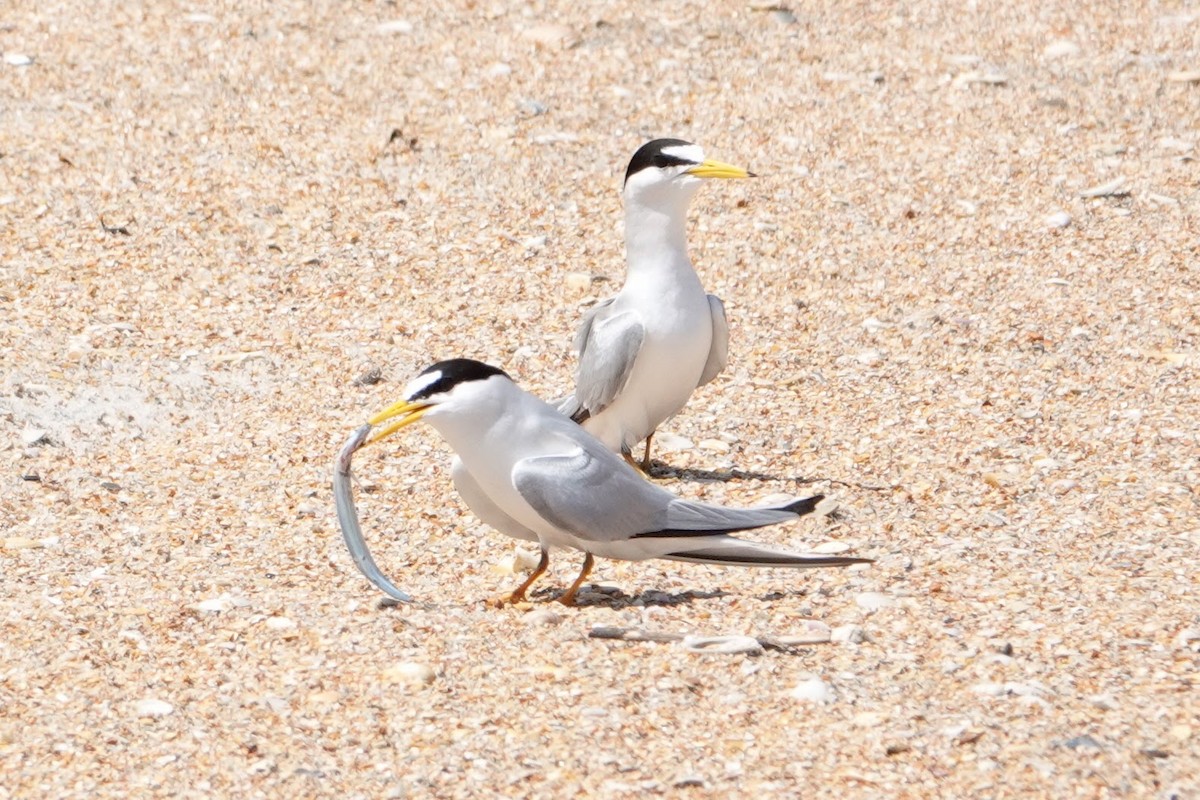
(495, 426)
(656, 236)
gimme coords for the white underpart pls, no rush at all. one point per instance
(663, 287)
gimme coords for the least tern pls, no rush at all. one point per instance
(643, 352)
(535, 475)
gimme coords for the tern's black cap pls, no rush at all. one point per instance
(652, 154)
(451, 373)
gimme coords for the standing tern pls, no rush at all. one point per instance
(537, 476)
(643, 352)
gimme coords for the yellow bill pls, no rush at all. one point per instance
(718, 169)
(402, 413)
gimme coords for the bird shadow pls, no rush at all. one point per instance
(660, 470)
(612, 597)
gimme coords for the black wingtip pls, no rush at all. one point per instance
(804, 507)
(759, 560)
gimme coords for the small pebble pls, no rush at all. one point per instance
(988, 77)
(1162, 199)
(722, 645)
(1113, 188)
(1180, 76)
(869, 358)
(221, 604)
(967, 735)
(410, 672)
(533, 108)
(814, 690)
(1176, 145)
(1059, 219)
(577, 281)
(32, 436)
(279, 623)
(394, 26)
(1083, 742)
(813, 632)
(20, 543)
(665, 442)
(370, 377)
(542, 616)
(322, 698)
(17, 59)
(1061, 49)
(831, 548)
(557, 36)
(873, 601)
(1186, 636)
(853, 634)
(151, 707)
(714, 445)
(826, 507)
(526, 560)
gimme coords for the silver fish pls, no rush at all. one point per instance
(348, 517)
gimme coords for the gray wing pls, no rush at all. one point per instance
(482, 506)
(593, 495)
(718, 356)
(608, 345)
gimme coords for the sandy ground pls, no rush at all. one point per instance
(216, 217)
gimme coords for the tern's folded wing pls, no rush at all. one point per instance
(718, 354)
(608, 347)
(591, 495)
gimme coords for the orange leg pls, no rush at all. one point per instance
(518, 595)
(568, 598)
(646, 455)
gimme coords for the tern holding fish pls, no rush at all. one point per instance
(538, 476)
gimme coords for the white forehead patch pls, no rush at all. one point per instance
(421, 382)
(685, 152)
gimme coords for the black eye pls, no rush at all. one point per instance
(662, 160)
